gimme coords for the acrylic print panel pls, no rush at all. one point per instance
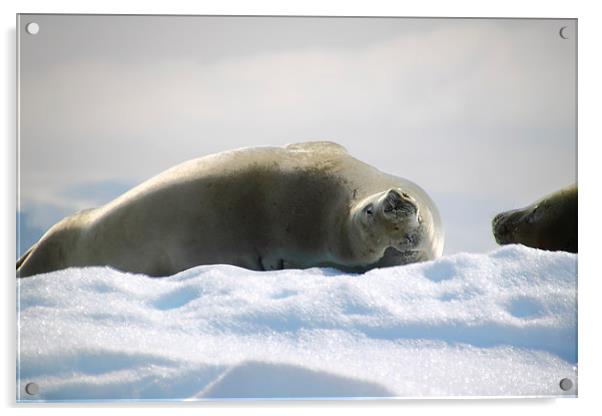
(417, 240)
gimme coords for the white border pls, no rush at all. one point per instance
(590, 348)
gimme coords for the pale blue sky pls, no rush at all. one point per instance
(480, 113)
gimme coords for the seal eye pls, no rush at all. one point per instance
(369, 210)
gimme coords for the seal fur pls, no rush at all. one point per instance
(549, 223)
(265, 208)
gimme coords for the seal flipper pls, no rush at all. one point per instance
(270, 264)
(394, 257)
(24, 257)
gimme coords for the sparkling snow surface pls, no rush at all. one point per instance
(503, 323)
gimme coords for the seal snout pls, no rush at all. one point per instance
(495, 223)
(502, 225)
(399, 204)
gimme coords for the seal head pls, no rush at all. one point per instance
(389, 219)
(548, 224)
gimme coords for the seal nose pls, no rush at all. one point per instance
(501, 228)
(401, 204)
(499, 224)
(496, 219)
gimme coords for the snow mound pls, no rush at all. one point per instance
(503, 323)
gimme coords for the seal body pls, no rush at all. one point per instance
(265, 208)
(549, 224)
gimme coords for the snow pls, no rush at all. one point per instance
(501, 323)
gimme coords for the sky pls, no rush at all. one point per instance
(481, 113)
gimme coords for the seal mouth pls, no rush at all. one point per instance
(409, 241)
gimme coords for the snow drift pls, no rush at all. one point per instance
(503, 323)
